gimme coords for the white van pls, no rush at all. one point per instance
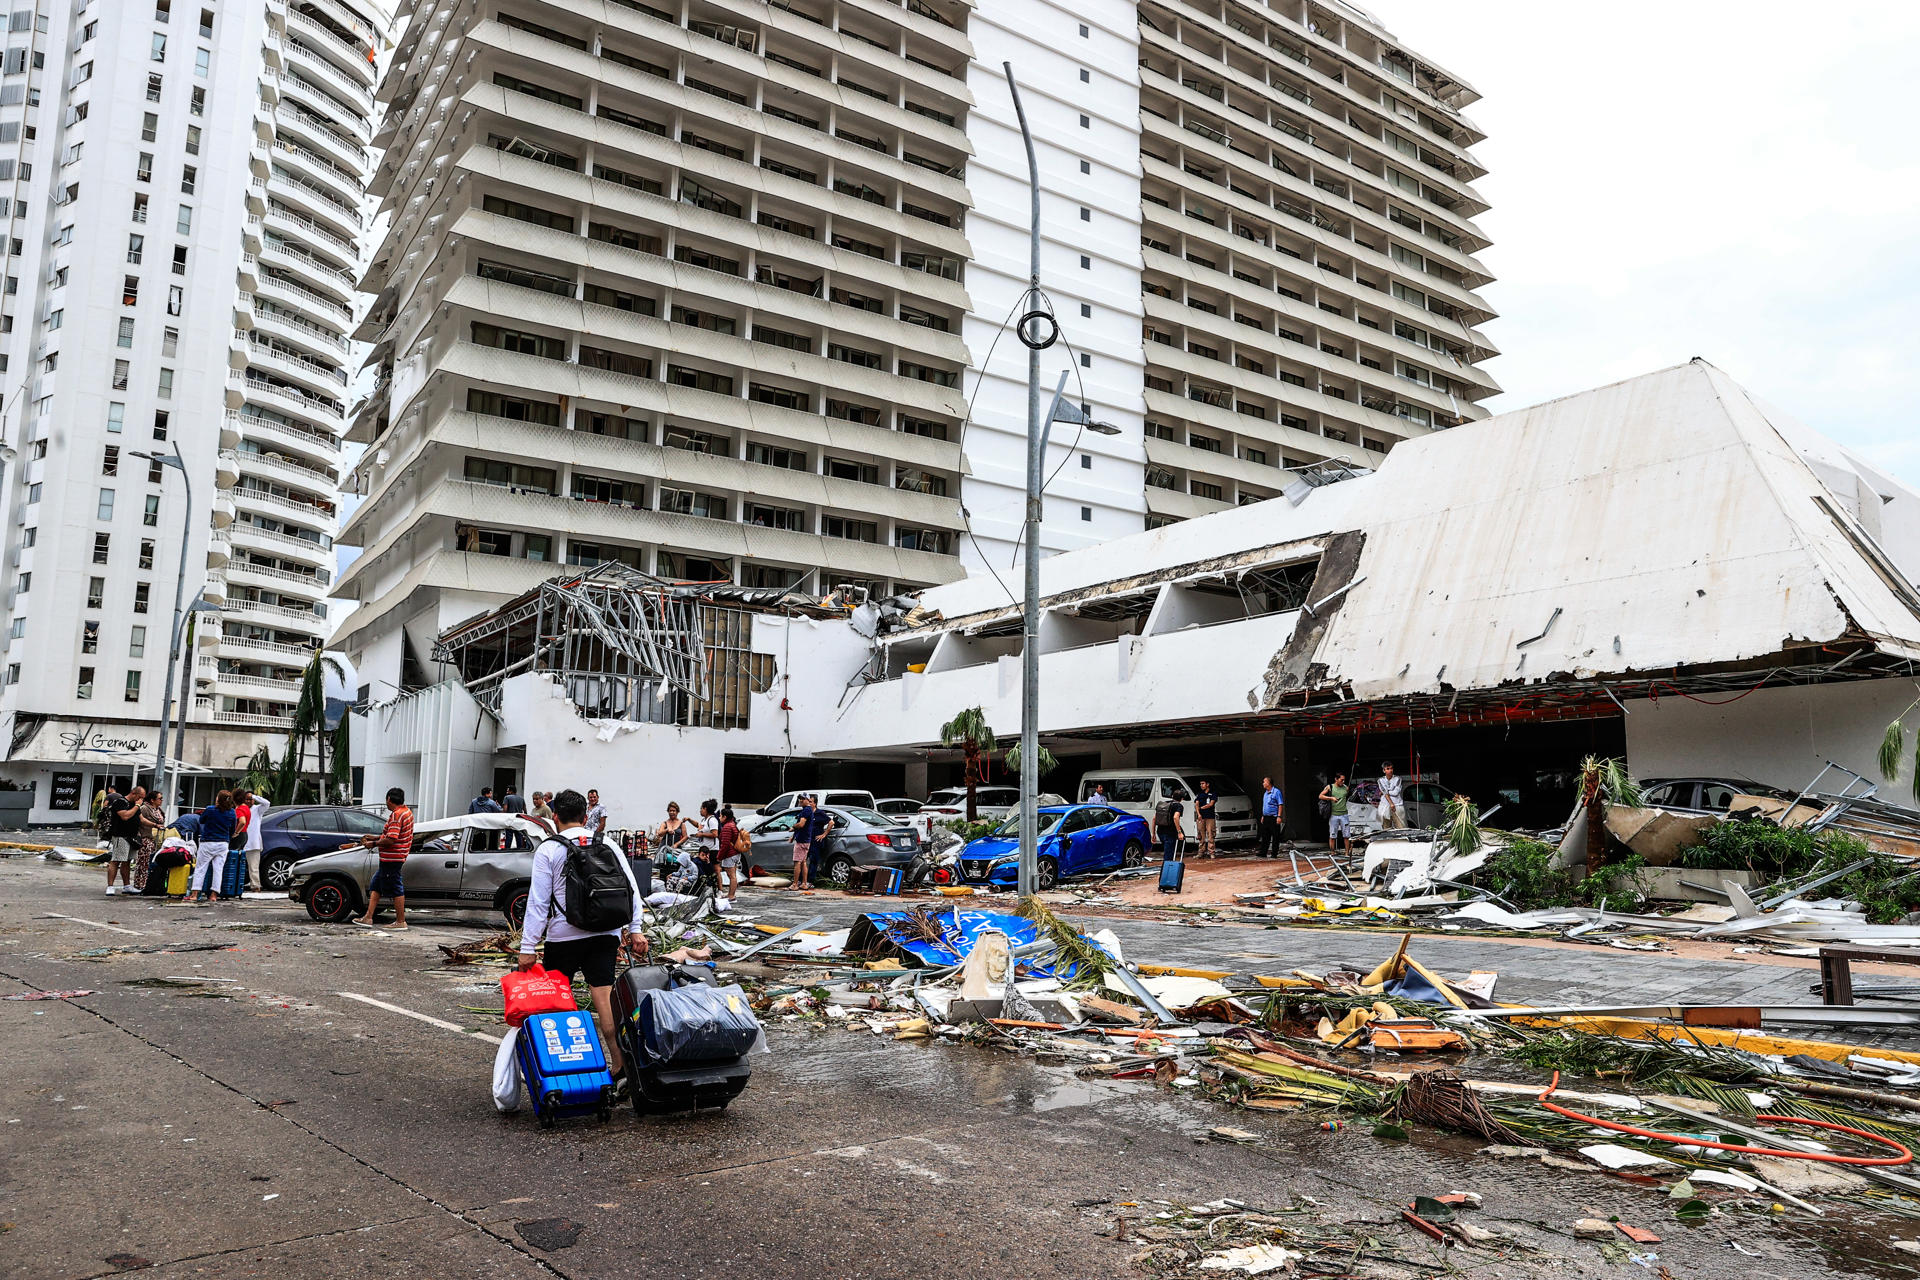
(1139, 790)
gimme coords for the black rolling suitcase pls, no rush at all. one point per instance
(685, 1037)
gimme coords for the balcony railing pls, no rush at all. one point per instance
(268, 646)
(266, 350)
(302, 220)
(251, 720)
(254, 422)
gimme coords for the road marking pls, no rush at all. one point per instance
(444, 1025)
(55, 915)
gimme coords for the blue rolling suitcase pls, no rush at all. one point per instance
(1173, 874)
(563, 1067)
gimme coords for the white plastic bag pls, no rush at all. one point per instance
(506, 1074)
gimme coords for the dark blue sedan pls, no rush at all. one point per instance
(291, 832)
(1074, 839)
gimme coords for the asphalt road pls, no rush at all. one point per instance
(246, 1111)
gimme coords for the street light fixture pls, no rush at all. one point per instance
(180, 611)
(1038, 330)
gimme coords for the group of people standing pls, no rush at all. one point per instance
(135, 824)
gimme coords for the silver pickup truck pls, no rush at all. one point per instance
(477, 860)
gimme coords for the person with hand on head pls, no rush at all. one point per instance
(571, 949)
(122, 814)
(1393, 814)
(394, 843)
(255, 842)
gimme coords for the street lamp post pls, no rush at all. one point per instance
(179, 464)
(1030, 332)
(200, 605)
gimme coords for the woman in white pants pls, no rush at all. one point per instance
(210, 859)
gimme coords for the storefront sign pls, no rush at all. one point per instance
(60, 741)
(66, 792)
(90, 738)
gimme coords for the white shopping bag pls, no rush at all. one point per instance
(506, 1074)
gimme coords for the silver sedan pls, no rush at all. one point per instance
(860, 838)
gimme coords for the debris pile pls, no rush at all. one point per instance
(1717, 1119)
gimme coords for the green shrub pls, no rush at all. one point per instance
(1618, 886)
(971, 831)
(1522, 872)
(1771, 852)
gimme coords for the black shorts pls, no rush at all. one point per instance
(592, 958)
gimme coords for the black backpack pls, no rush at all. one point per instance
(106, 822)
(1163, 816)
(599, 895)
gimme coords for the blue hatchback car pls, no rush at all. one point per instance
(1074, 839)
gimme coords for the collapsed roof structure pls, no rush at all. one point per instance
(626, 645)
(1663, 535)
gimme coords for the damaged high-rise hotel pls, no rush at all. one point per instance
(716, 293)
(716, 290)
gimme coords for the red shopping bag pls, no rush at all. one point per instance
(534, 991)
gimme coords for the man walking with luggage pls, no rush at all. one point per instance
(1206, 807)
(1273, 811)
(573, 946)
(1166, 825)
(394, 842)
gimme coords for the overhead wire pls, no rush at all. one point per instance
(966, 519)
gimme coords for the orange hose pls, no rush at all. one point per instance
(1683, 1140)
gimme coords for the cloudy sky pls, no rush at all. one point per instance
(1734, 181)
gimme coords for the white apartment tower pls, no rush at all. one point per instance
(719, 288)
(185, 181)
(678, 287)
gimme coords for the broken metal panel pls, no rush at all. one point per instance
(628, 646)
(1270, 567)
(1294, 667)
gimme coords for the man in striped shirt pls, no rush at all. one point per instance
(394, 843)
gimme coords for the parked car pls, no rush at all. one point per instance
(291, 832)
(827, 799)
(1705, 795)
(1073, 840)
(860, 837)
(1425, 803)
(990, 803)
(1139, 791)
(482, 860)
(912, 812)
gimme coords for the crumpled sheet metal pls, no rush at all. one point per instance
(881, 931)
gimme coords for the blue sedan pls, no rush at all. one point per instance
(1074, 839)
